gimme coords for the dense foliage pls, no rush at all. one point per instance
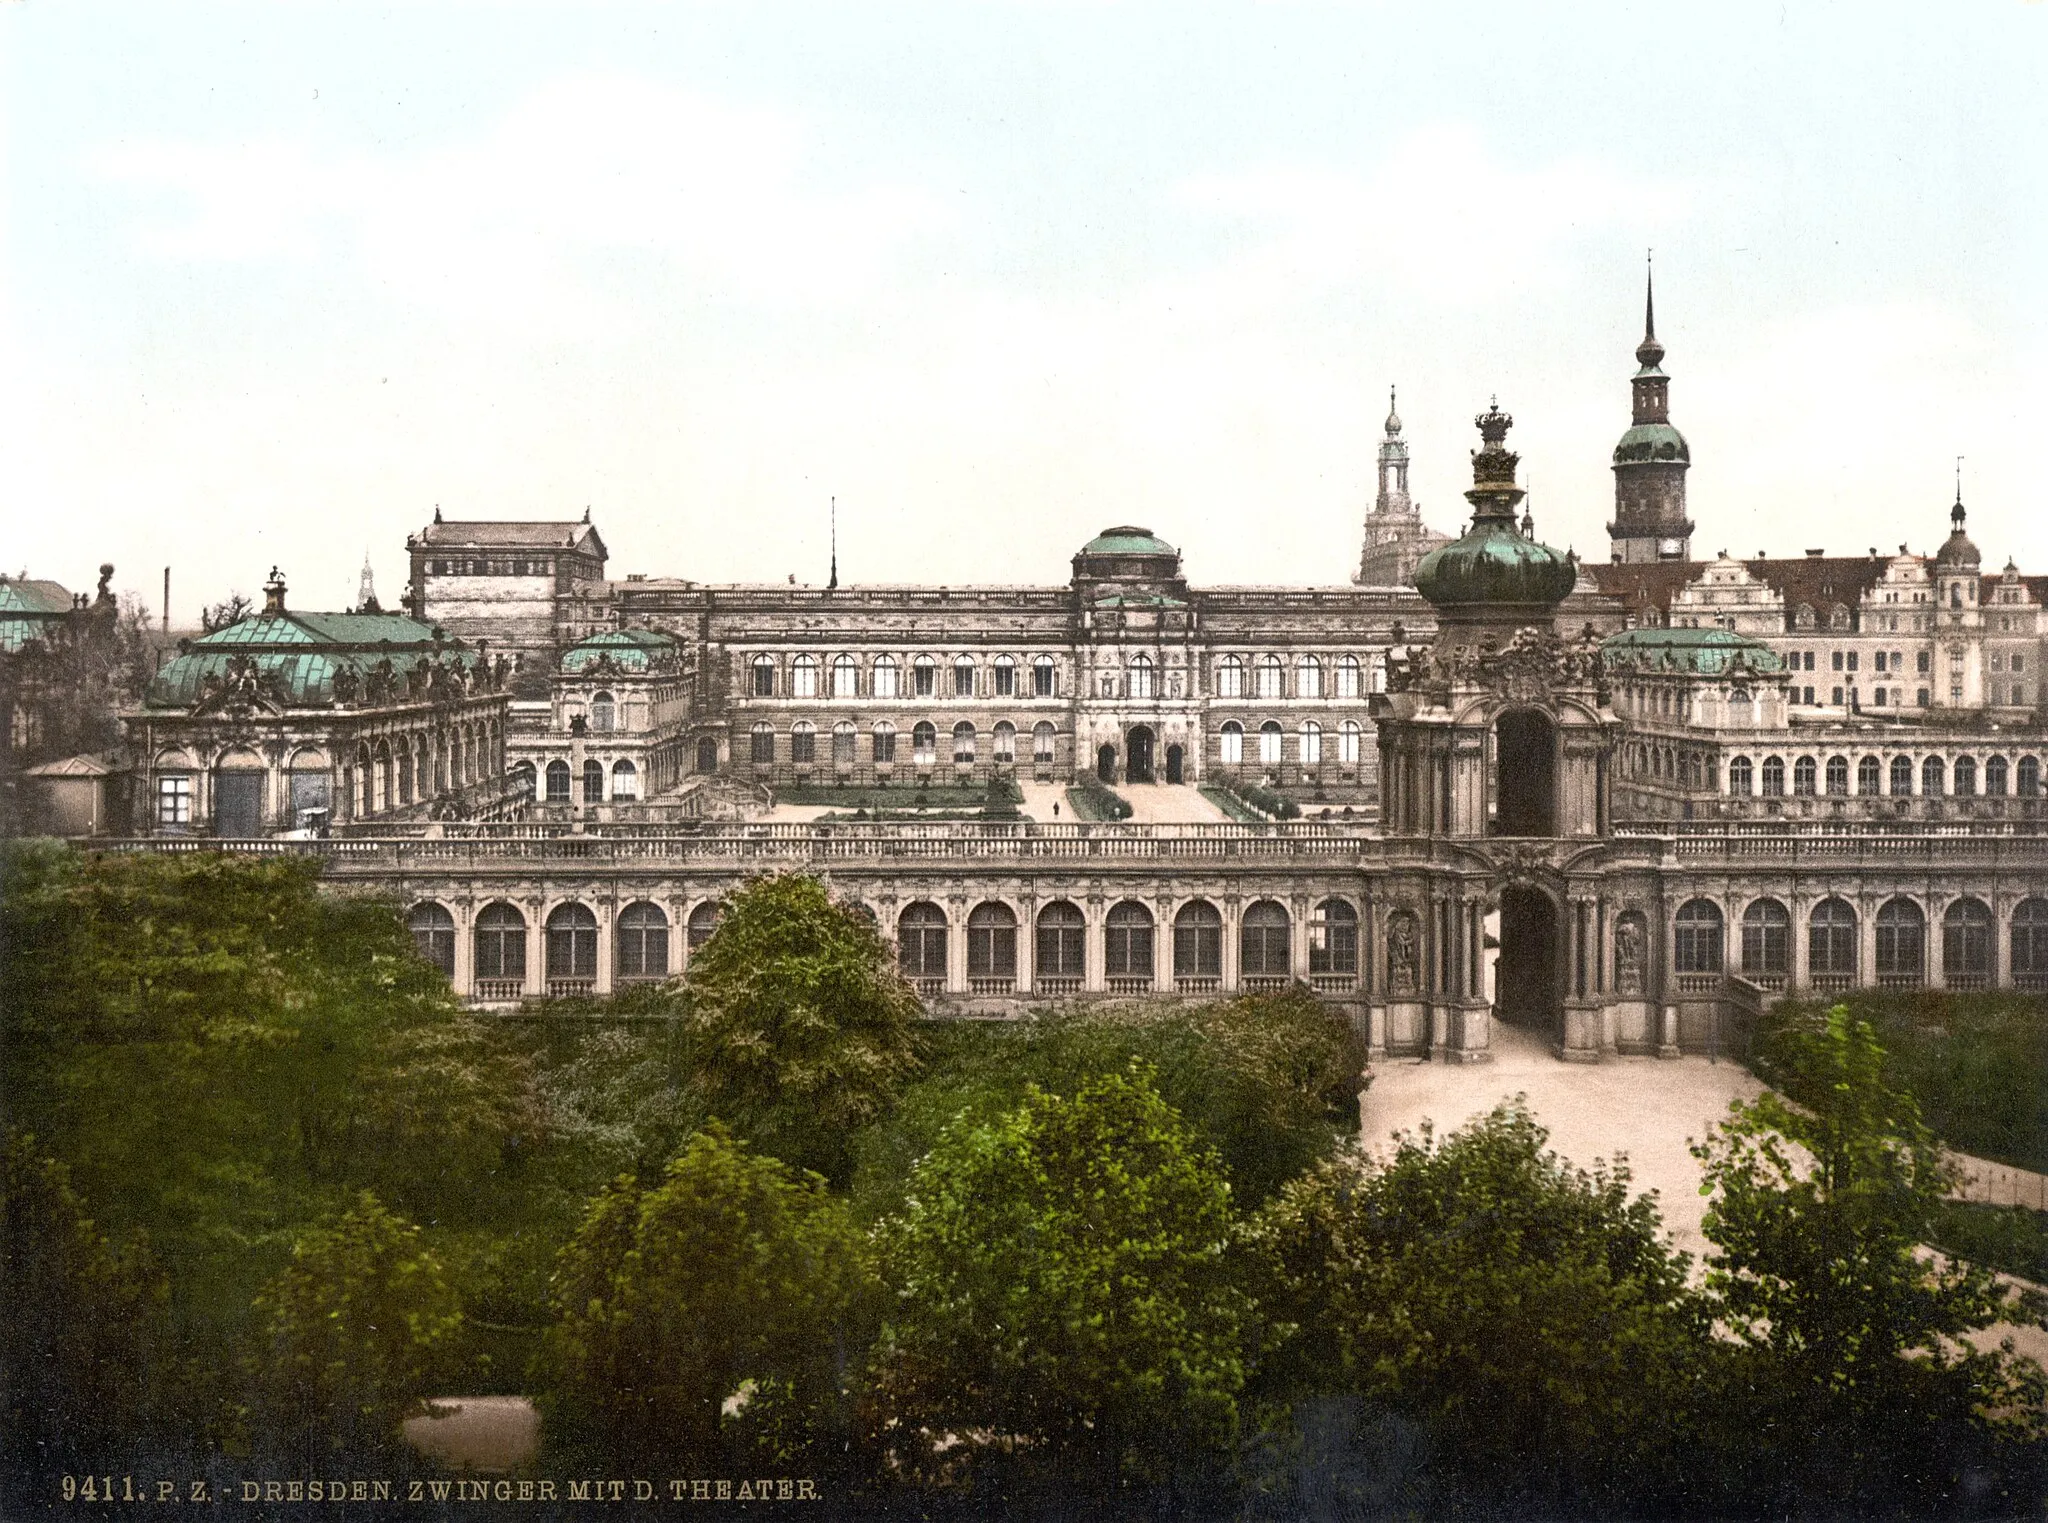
(1852, 1333)
(711, 1321)
(1064, 1311)
(1976, 1063)
(1527, 1315)
(1092, 799)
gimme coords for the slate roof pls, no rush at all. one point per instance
(514, 534)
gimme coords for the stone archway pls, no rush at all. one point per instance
(1175, 764)
(1138, 745)
(1525, 774)
(1528, 991)
(1105, 764)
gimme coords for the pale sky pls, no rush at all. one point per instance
(276, 280)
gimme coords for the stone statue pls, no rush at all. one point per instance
(1628, 956)
(1401, 954)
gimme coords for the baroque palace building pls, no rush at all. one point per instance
(1621, 804)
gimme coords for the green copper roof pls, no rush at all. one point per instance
(1127, 539)
(1701, 652)
(294, 628)
(29, 596)
(632, 650)
(1651, 441)
(1494, 564)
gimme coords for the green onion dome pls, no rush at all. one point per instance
(1495, 563)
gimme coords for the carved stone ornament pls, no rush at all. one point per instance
(1533, 665)
(1522, 862)
(1628, 955)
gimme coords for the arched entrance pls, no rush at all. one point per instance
(1526, 975)
(707, 754)
(1138, 754)
(1525, 774)
(1175, 760)
(1105, 764)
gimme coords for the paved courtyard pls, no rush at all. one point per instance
(1644, 1107)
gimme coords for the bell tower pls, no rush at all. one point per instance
(1650, 462)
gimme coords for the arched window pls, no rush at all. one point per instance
(1774, 776)
(1311, 743)
(500, 944)
(924, 677)
(702, 923)
(433, 932)
(963, 677)
(1139, 675)
(1269, 743)
(1766, 940)
(1045, 678)
(1965, 776)
(1932, 780)
(625, 780)
(572, 942)
(1901, 943)
(803, 677)
(803, 742)
(1127, 943)
(1831, 940)
(1995, 776)
(1967, 933)
(558, 782)
(885, 677)
(1308, 677)
(1062, 942)
(1838, 775)
(1802, 616)
(1333, 939)
(593, 782)
(402, 760)
(1869, 776)
(991, 946)
(884, 741)
(643, 941)
(1805, 775)
(1696, 937)
(1044, 740)
(1230, 744)
(963, 743)
(2030, 944)
(845, 741)
(1270, 675)
(1003, 747)
(1902, 775)
(1198, 941)
(2029, 785)
(764, 676)
(1739, 771)
(763, 744)
(1348, 685)
(1349, 738)
(1229, 678)
(522, 774)
(1263, 942)
(845, 677)
(921, 943)
(604, 713)
(1003, 672)
(924, 743)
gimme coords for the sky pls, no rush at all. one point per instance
(276, 281)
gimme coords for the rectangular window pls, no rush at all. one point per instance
(1838, 660)
(1925, 663)
(924, 679)
(2019, 662)
(963, 680)
(1924, 696)
(1006, 680)
(1852, 660)
(1836, 700)
(174, 801)
(1042, 680)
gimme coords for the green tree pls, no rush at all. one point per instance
(80, 1343)
(352, 1336)
(714, 1318)
(1528, 1316)
(1854, 1334)
(800, 1026)
(1064, 1309)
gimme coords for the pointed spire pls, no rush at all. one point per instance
(1393, 416)
(1956, 514)
(1649, 353)
(834, 582)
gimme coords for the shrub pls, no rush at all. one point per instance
(1094, 799)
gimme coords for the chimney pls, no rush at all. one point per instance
(1816, 554)
(273, 592)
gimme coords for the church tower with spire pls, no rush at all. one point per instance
(1650, 462)
(1396, 539)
